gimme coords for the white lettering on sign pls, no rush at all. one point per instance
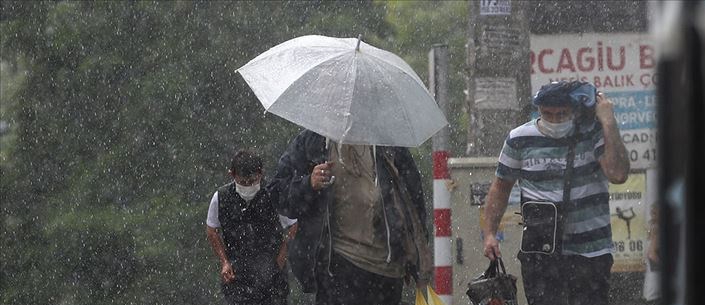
(495, 7)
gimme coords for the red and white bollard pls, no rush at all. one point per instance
(442, 230)
(438, 85)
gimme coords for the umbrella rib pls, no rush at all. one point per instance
(348, 123)
(403, 111)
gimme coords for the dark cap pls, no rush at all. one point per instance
(563, 93)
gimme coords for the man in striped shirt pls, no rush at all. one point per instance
(535, 155)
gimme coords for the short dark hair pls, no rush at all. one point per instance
(245, 163)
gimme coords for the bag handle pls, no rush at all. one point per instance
(495, 268)
(501, 264)
(567, 188)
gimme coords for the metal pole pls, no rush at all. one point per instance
(438, 82)
(470, 53)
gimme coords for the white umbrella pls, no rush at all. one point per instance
(346, 90)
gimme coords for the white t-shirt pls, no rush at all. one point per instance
(213, 222)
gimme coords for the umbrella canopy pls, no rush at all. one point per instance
(346, 90)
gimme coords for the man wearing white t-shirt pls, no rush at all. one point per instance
(246, 234)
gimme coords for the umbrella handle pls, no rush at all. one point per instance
(359, 38)
(330, 182)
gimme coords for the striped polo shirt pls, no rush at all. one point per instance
(538, 163)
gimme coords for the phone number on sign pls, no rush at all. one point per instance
(648, 155)
(630, 246)
(641, 147)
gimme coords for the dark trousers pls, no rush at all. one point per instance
(257, 282)
(566, 279)
(350, 285)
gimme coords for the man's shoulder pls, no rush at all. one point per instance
(307, 140)
(527, 129)
(226, 187)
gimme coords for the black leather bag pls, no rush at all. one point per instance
(541, 228)
(494, 286)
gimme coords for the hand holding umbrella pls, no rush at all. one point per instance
(321, 175)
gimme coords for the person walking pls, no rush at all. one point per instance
(246, 235)
(361, 217)
(562, 161)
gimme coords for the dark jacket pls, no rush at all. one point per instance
(297, 199)
(249, 228)
(252, 237)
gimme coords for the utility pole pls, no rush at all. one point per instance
(498, 93)
(498, 73)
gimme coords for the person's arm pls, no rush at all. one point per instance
(495, 206)
(292, 181)
(227, 273)
(281, 257)
(614, 161)
(411, 180)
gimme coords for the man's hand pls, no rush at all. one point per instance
(491, 247)
(283, 249)
(227, 274)
(604, 110)
(495, 206)
(321, 175)
(420, 284)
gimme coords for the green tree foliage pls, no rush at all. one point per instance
(416, 26)
(120, 131)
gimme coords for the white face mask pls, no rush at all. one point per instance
(247, 192)
(556, 130)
